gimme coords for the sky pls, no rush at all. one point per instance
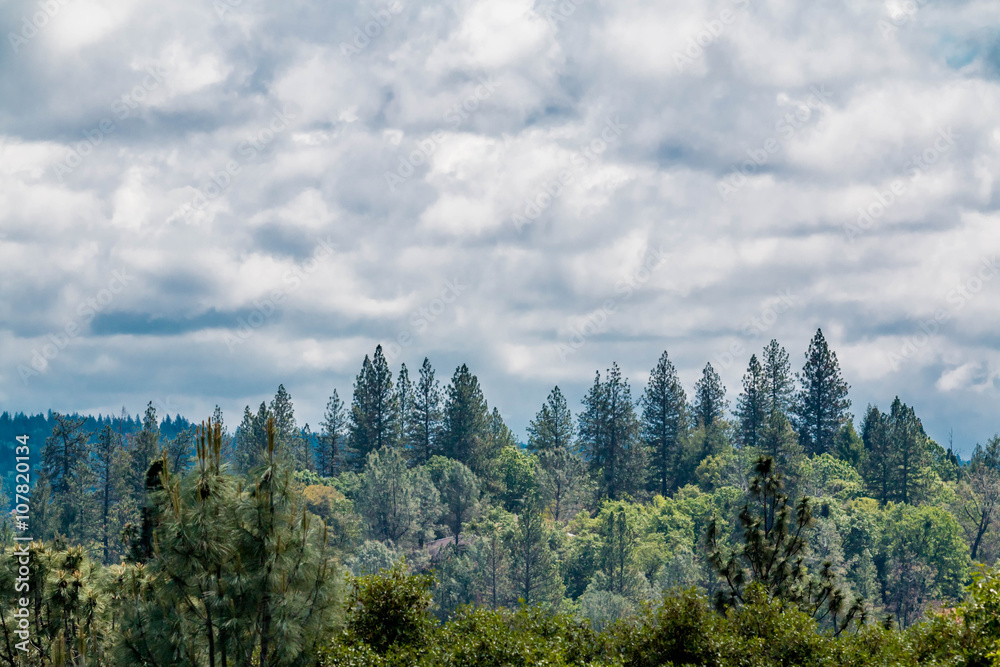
(201, 200)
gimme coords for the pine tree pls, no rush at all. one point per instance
(879, 460)
(373, 409)
(404, 408)
(180, 450)
(386, 497)
(283, 413)
(331, 442)
(552, 428)
(778, 379)
(710, 402)
(109, 465)
(425, 421)
(550, 437)
(822, 403)
(144, 450)
(909, 449)
(752, 405)
(609, 434)
(64, 464)
(466, 421)
(534, 573)
(663, 423)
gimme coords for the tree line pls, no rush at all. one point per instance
(597, 514)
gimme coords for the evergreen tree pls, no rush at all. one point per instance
(752, 405)
(550, 438)
(609, 434)
(387, 498)
(109, 466)
(770, 560)
(822, 403)
(466, 421)
(710, 402)
(460, 495)
(778, 379)
(663, 423)
(64, 464)
(909, 450)
(552, 428)
(179, 450)
(283, 413)
(425, 420)
(331, 441)
(534, 573)
(879, 461)
(144, 450)
(373, 409)
(404, 408)
(244, 447)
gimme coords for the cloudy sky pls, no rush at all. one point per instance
(201, 200)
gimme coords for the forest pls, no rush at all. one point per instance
(414, 527)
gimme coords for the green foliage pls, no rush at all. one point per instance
(391, 608)
(821, 405)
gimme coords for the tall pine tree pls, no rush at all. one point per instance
(609, 435)
(425, 420)
(822, 403)
(373, 410)
(752, 405)
(710, 402)
(466, 421)
(663, 423)
(331, 441)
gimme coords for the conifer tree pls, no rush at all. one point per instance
(331, 442)
(466, 421)
(663, 423)
(534, 573)
(710, 402)
(387, 498)
(879, 464)
(821, 406)
(373, 409)
(283, 413)
(609, 435)
(752, 405)
(550, 437)
(552, 427)
(144, 450)
(425, 422)
(404, 408)
(778, 379)
(109, 467)
(909, 450)
(64, 464)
